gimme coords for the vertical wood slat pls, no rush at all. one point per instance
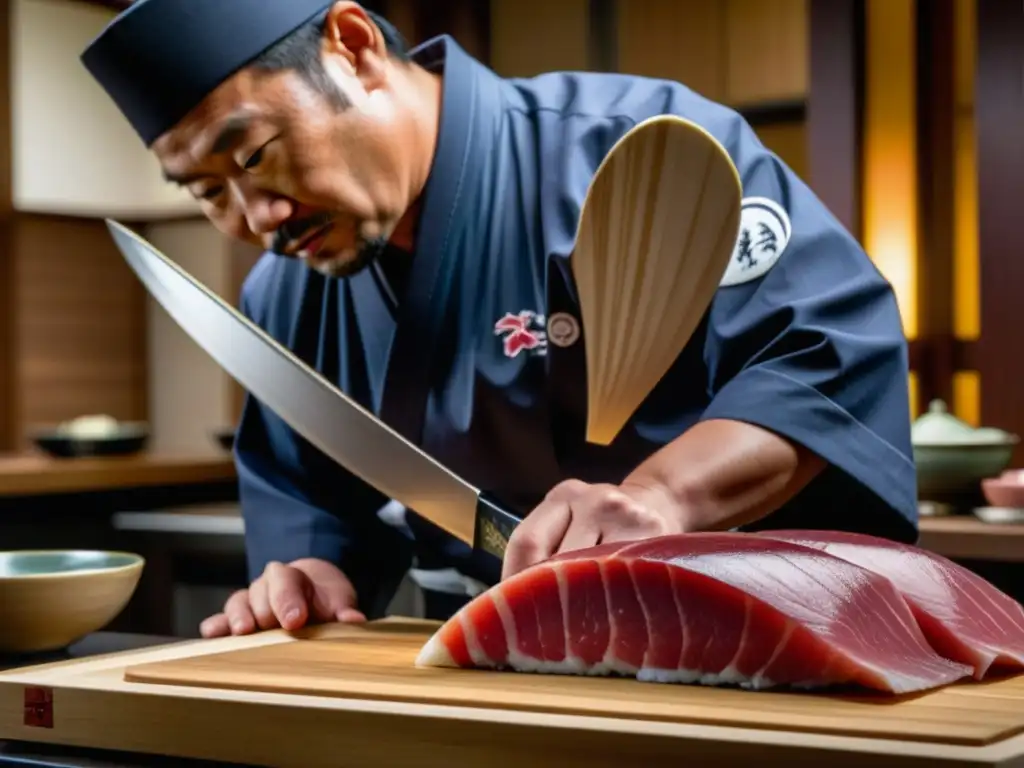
(683, 40)
(999, 115)
(936, 156)
(8, 392)
(529, 37)
(766, 50)
(835, 107)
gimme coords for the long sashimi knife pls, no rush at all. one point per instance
(315, 408)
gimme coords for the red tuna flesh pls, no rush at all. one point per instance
(963, 616)
(708, 608)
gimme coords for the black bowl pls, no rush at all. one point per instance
(225, 438)
(130, 438)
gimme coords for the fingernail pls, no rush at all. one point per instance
(292, 614)
(237, 626)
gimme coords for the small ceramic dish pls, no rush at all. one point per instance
(952, 457)
(1007, 490)
(51, 598)
(1000, 515)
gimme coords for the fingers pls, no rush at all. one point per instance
(215, 626)
(259, 603)
(350, 616)
(238, 613)
(333, 596)
(576, 515)
(581, 533)
(286, 594)
(537, 537)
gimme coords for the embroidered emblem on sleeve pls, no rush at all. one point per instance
(765, 230)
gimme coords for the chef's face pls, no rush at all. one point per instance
(324, 171)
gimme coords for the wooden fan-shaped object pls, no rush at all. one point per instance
(655, 236)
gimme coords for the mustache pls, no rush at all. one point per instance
(293, 230)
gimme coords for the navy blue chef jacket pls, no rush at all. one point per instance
(455, 348)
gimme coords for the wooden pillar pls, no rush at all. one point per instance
(999, 117)
(835, 107)
(935, 360)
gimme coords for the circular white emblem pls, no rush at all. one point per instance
(764, 234)
(563, 330)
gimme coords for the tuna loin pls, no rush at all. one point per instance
(964, 617)
(710, 608)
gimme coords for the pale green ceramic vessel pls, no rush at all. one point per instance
(953, 457)
(51, 598)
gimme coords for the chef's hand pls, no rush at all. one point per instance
(289, 596)
(575, 515)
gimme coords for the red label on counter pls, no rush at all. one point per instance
(39, 707)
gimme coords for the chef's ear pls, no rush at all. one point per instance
(351, 34)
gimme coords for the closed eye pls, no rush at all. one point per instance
(257, 157)
(254, 159)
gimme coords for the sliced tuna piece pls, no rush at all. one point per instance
(709, 608)
(964, 617)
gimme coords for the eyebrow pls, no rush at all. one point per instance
(231, 133)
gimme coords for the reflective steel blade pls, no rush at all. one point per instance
(314, 407)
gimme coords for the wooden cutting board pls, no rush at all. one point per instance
(368, 709)
(375, 662)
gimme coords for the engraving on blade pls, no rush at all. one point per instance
(494, 527)
(310, 404)
(491, 539)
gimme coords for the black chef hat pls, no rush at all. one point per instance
(160, 58)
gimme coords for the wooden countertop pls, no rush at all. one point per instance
(964, 536)
(37, 474)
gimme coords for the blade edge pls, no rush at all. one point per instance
(244, 351)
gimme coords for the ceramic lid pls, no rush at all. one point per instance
(938, 426)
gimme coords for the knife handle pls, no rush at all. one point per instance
(494, 526)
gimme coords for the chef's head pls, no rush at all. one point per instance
(299, 125)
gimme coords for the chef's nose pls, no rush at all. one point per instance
(264, 212)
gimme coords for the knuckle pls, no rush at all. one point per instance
(273, 568)
(567, 489)
(619, 506)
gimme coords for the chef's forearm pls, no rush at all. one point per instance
(721, 474)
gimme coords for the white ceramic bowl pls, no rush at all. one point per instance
(51, 598)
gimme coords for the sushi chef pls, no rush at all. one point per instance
(417, 213)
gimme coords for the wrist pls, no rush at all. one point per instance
(676, 502)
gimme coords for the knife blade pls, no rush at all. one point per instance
(314, 407)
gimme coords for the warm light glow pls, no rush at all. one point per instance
(967, 397)
(966, 261)
(966, 280)
(890, 176)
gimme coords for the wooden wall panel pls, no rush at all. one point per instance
(735, 51)
(528, 37)
(999, 115)
(835, 107)
(684, 40)
(402, 13)
(79, 330)
(789, 142)
(767, 50)
(966, 50)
